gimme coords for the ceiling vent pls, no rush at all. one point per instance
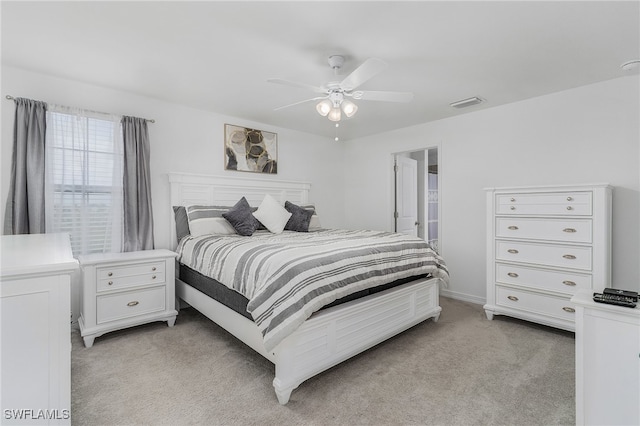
(467, 102)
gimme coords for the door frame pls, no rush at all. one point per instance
(392, 194)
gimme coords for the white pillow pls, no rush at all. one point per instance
(314, 224)
(272, 215)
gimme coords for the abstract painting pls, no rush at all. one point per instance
(250, 150)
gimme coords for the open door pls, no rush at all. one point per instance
(406, 179)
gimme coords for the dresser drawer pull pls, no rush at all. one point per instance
(569, 283)
(569, 256)
(568, 309)
(569, 198)
(513, 228)
(569, 230)
(110, 274)
(513, 207)
(512, 200)
(569, 208)
(512, 298)
(134, 303)
(153, 277)
(153, 269)
(110, 283)
(512, 251)
(513, 275)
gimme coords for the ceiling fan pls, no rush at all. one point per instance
(334, 99)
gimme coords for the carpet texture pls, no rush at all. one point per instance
(462, 370)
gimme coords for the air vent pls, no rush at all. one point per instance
(467, 102)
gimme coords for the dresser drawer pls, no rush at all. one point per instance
(559, 281)
(564, 256)
(535, 303)
(557, 203)
(126, 276)
(112, 307)
(569, 230)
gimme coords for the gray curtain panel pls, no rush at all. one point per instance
(138, 215)
(25, 204)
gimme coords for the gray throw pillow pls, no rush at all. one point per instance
(241, 218)
(182, 222)
(300, 218)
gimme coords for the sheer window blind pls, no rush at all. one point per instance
(84, 179)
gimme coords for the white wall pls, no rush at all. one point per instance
(182, 140)
(584, 135)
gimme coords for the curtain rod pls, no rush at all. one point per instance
(11, 98)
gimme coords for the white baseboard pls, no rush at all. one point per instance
(462, 296)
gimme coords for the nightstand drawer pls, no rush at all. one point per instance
(573, 257)
(112, 307)
(566, 230)
(536, 303)
(559, 281)
(559, 203)
(118, 271)
(131, 281)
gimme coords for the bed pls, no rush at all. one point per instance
(317, 339)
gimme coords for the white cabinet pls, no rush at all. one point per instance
(543, 245)
(35, 328)
(122, 290)
(607, 363)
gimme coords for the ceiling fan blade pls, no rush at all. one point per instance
(296, 84)
(372, 95)
(301, 102)
(364, 72)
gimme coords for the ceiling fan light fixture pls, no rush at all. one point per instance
(349, 108)
(324, 107)
(335, 114)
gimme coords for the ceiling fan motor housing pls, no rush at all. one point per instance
(336, 62)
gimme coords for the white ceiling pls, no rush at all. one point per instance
(217, 56)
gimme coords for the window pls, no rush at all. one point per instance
(84, 162)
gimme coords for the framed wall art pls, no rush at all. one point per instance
(250, 150)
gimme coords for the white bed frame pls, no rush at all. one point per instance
(329, 336)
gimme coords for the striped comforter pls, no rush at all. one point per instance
(286, 277)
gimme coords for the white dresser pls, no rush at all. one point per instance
(121, 290)
(607, 363)
(35, 328)
(543, 245)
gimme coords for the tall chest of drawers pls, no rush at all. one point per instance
(543, 245)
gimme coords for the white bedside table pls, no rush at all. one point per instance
(121, 290)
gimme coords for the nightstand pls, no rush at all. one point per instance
(121, 290)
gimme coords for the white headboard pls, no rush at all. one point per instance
(188, 189)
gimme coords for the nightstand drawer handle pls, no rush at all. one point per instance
(513, 228)
(153, 277)
(513, 207)
(569, 230)
(513, 199)
(569, 256)
(569, 208)
(110, 283)
(512, 251)
(567, 282)
(568, 309)
(134, 303)
(569, 198)
(110, 274)
(153, 269)
(513, 275)
(512, 298)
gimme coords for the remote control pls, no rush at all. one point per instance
(626, 293)
(614, 299)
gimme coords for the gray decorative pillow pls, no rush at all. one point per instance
(300, 218)
(182, 222)
(241, 218)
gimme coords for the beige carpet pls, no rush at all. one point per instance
(462, 370)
